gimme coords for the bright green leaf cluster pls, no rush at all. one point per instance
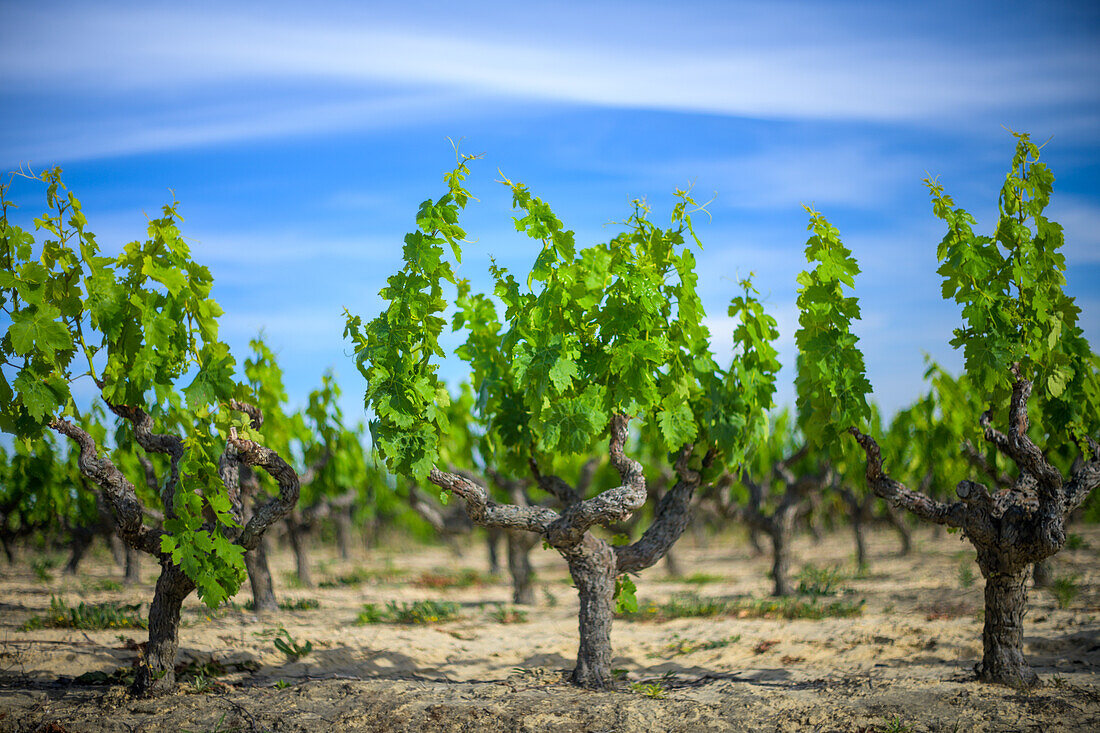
(1010, 287)
(831, 384)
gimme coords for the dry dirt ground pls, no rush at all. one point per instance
(904, 664)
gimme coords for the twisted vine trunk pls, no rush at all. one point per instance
(519, 566)
(592, 566)
(156, 674)
(1002, 636)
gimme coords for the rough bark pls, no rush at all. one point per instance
(593, 563)
(156, 673)
(592, 567)
(1002, 635)
(1019, 525)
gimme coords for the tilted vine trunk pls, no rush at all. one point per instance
(156, 674)
(1003, 633)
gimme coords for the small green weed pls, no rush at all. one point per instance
(680, 646)
(42, 567)
(653, 690)
(359, 576)
(894, 725)
(966, 573)
(302, 604)
(417, 612)
(700, 579)
(1065, 590)
(87, 616)
(690, 605)
(440, 579)
(1075, 542)
(294, 651)
(508, 615)
(816, 582)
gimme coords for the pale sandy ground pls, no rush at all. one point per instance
(905, 664)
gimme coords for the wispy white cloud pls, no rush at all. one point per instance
(771, 67)
(847, 173)
(144, 132)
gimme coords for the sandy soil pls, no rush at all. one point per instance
(904, 664)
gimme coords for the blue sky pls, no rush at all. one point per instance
(300, 138)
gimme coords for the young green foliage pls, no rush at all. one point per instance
(831, 384)
(394, 351)
(1014, 309)
(143, 327)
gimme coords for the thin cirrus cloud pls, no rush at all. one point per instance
(877, 72)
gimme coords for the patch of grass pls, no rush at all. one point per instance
(508, 615)
(550, 599)
(417, 612)
(87, 616)
(359, 576)
(894, 725)
(281, 684)
(653, 690)
(1065, 590)
(1075, 542)
(816, 582)
(966, 574)
(441, 579)
(302, 604)
(680, 646)
(287, 644)
(690, 605)
(42, 567)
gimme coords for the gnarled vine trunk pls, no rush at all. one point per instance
(1003, 633)
(156, 674)
(592, 566)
